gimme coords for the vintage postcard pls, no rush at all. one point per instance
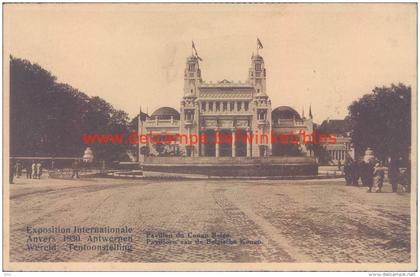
(210, 137)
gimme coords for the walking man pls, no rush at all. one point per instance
(348, 171)
(18, 169)
(11, 171)
(28, 166)
(34, 173)
(368, 172)
(75, 169)
(393, 174)
(39, 169)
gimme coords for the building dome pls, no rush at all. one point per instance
(284, 112)
(165, 113)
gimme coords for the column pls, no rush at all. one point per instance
(217, 142)
(248, 145)
(233, 143)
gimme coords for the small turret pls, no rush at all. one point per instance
(192, 76)
(257, 74)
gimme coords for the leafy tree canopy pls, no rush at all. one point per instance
(48, 118)
(381, 120)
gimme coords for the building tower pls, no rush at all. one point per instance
(257, 74)
(192, 77)
(189, 105)
(261, 124)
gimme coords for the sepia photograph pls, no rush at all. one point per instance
(210, 137)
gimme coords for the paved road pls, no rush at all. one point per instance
(271, 221)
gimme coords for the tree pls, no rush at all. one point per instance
(49, 118)
(30, 86)
(381, 120)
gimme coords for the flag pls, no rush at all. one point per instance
(195, 51)
(193, 47)
(259, 44)
(310, 112)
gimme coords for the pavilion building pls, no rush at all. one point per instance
(226, 108)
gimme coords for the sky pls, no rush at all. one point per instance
(133, 55)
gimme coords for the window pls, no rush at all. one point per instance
(203, 106)
(224, 106)
(232, 106)
(246, 106)
(191, 67)
(189, 115)
(239, 106)
(210, 106)
(217, 106)
(257, 67)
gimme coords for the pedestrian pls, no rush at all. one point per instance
(378, 174)
(11, 171)
(406, 179)
(348, 171)
(18, 168)
(369, 168)
(28, 166)
(393, 174)
(364, 172)
(75, 169)
(356, 173)
(34, 173)
(39, 169)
